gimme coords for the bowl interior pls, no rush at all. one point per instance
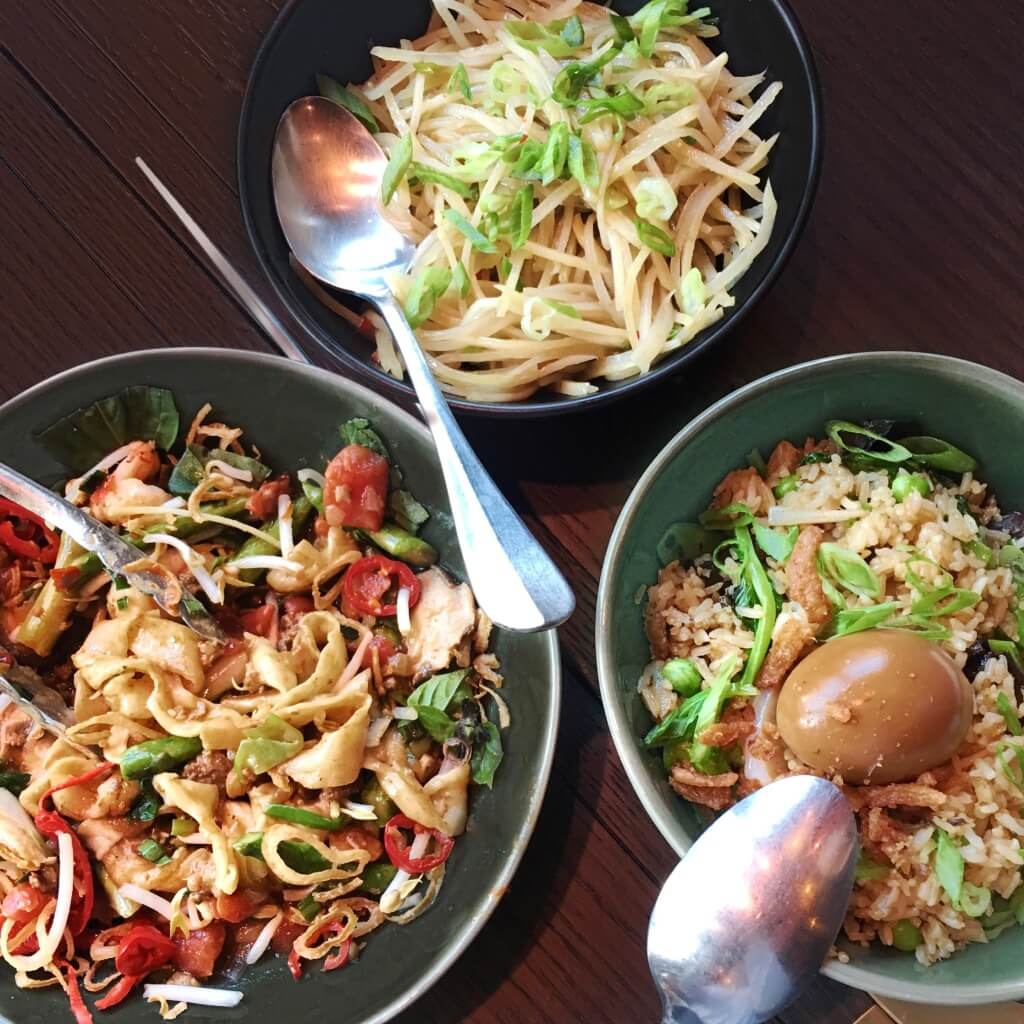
(976, 408)
(292, 413)
(312, 36)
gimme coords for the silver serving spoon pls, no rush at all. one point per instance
(327, 172)
(747, 917)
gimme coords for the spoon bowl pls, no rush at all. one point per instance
(327, 173)
(747, 917)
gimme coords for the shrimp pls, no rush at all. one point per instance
(126, 487)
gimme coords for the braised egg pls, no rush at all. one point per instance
(878, 706)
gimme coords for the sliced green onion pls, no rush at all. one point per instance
(460, 278)
(435, 177)
(183, 827)
(152, 851)
(428, 286)
(980, 551)
(309, 908)
(786, 485)
(477, 239)
(1013, 766)
(574, 78)
(907, 482)
(583, 165)
(620, 102)
(519, 222)
(975, 900)
(397, 168)
(346, 98)
(654, 238)
(557, 37)
(459, 82)
(622, 27)
(563, 307)
(939, 454)
(774, 544)
(949, 866)
(555, 154)
(1009, 713)
(849, 570)
(727, 517)
(892, 452)
(667, 98)
(300, 816)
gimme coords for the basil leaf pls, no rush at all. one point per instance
(487, 755)
(407, 511)
(774, 544)
(620, 102)
(190, 469)
(684, 542)
(848, 570)
(459, 82)
(949, 866)
(654, 238)
(397, 168)
(359, 431)
(477, 239)
(583, 165)
(79, 440)
(427, 287)
(348, 99)
(439, 691)
(430, 175)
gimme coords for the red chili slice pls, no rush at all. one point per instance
(143, 949)
(78, 1007)
(340, 958)
(337, 959)
(369, 579)
(25, 535)
(119, 992)
(397, 846)
(49, 823)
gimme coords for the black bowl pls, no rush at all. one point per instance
(335, 36)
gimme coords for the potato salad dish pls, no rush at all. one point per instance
(289, 790)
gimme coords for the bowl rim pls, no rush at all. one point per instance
(956, 994)
(549, 405)
(486, 907)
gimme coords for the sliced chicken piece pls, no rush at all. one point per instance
(442, 621)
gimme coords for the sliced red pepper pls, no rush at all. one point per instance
(119, 992)
(78, 1007)
(23, 903)
(49, 823)
(356, 488)
(295, 964)
(369, 579)
(397, 846)
(25, 535)
(340, 958)
(143, 949)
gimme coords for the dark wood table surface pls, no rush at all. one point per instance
(915, 242)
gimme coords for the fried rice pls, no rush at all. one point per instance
(976, 798)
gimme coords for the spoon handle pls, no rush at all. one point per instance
(515, 581)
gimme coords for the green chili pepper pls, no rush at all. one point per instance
(377, 877)
(267, 745)
(154, 756)
(906, 936)
(403, 545)
(152, 851)
(300, 816)
(382, 804)
(907, 482)
(309, 908)
(250, 845)
(302, 857)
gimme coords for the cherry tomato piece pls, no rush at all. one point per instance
(357, 488)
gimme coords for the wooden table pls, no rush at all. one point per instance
(915, 242)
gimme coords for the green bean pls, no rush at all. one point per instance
(154, 756)
(309, 908)
(403, 545)
(682, 675)
(377, 877)
(302, 509)
(300, 816)
(906, 936)
(907, 482)
(186, 526)
(374, 795)
(51, 609)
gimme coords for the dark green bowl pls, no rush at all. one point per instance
(292, 413)
(977, 409)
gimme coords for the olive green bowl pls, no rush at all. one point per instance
(977, 409)
(292, 414)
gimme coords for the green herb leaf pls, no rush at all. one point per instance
(147, 805)
(152, 851)
(190, 469)
(574, 78)
(347, 98)
(583, 165)
(459, 82)
(869, 870)
(758, 581)
(477, 239)
(427, 287)
(622, 27)
(1009, 713)
(359, 431)
(775, 544)
(487, 754)
(711, 710)
(856, 620)
(407, 511)
(847, 569)
(572, 32)
(433, 699)
(949, 866)
(655, 239)
(679, 723)
(430, 175)
(79, 440)
(398, 166)
(684, 542)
